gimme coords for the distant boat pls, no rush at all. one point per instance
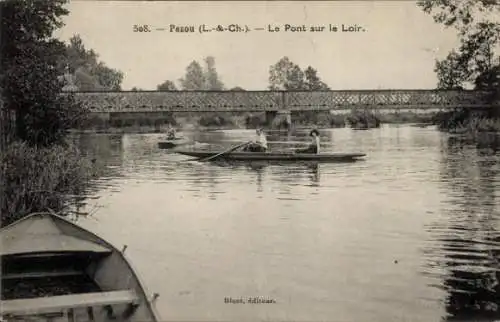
(169, 144)
(54, 270)
(275, 156)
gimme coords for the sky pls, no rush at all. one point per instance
(395, 49)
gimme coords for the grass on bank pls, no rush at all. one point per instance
(468, 121)
(38, 179)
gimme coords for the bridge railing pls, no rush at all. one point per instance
(273, 100)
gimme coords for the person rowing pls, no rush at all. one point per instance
(260, 143)
(313, 147)
(171, 133)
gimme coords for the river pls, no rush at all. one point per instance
(410, 234)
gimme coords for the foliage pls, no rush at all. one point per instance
(212, 81)
(363, 118)
(473, 61)
(308, 118)
(286, 75)
(214, 120)
(197, 79)
(194, 78)
(136, 89)
(30, 79)
(458, 13)
(167, 85)
(464, 121)
(35, 179)
(254, 121)
(90, 73)
(313, 82)
(451, 75)
(237, 89)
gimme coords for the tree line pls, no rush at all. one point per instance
(284, 75)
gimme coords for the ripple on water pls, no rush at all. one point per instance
(412, 233)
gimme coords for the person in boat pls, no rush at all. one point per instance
(171, 133)
(313, 147)
(260, 143)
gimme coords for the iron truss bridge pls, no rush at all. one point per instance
(260, 101)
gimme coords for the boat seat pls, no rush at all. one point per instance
(51, 304)
(41, 274)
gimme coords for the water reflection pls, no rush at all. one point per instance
(467, 234)
(339, 226)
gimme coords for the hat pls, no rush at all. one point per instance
(314, 131)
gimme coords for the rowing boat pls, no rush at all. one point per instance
(54, 270)
(169, 144)
(275, 156)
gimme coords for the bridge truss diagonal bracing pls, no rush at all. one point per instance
(260, 101)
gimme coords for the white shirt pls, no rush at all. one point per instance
(316, 141)
(261, 139)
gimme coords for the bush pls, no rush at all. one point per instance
(214, 120)
(466, 120)
(38, 179)
(254, 121)
(364, 118)
(406, 117)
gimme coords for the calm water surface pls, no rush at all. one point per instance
(410, 234)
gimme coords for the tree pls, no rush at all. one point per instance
(237, 89)
(212, 81)
(451, 75)
(136, 89)
(194, 79)
(90, 73)
(458, 13)
(30, 81)
(167, 85)
(313, 82)
(280, 74)
(474, 60)
(285, 75)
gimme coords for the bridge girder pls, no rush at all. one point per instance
(260, 101)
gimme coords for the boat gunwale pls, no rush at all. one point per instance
(131, 267)
(270, 155)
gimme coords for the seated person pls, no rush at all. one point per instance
(313, 147)
(171, 134)
(260, 143)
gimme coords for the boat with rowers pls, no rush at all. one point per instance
(274, 156)
(259, 152)
(172, 140)
(54, 270)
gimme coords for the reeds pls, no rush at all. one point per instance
(38, 179)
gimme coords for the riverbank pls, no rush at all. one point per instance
(469, 122)
(224, 122)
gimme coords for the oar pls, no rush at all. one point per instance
(224, 152)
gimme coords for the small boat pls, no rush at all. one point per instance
(275, 156)
(169, 144)
(54, 270)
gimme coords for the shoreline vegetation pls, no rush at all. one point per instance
(455, 121)
(40, 169)
(362, 119)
